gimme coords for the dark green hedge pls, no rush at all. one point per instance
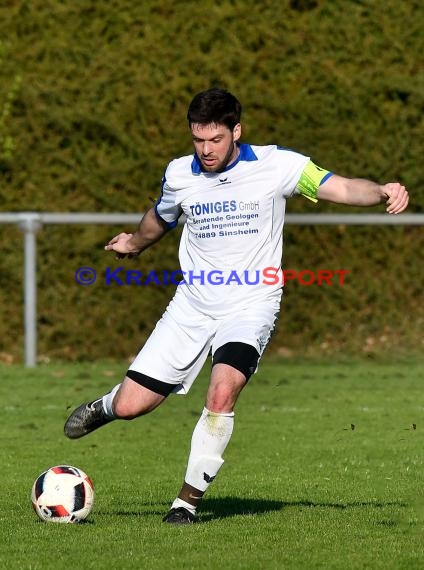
(98, 92)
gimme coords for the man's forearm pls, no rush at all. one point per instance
(150, 230)
(361, 192)
(352, 191)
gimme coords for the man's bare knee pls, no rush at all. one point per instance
(133, 400)
(220, 402)
(224, 389)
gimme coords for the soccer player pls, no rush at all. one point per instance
(233, 195)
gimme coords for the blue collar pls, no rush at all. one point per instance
(246, 153)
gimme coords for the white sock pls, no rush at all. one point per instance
(210, 438)
(107, 402)
(180, 503)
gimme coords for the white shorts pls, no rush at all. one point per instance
(180, 343)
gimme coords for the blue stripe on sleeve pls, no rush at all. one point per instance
(326, 177)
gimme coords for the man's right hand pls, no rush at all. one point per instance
(122, 246)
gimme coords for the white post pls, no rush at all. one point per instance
(30, 224)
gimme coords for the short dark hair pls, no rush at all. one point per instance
(214, 105)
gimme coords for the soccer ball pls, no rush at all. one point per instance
(63, 494)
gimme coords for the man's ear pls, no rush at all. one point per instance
(237, 132)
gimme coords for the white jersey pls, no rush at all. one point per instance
(233, 231)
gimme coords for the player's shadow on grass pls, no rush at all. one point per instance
(213, 508)
(224, 507)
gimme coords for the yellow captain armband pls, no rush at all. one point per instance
(310, 180)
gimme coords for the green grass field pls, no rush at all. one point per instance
(325, 470)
